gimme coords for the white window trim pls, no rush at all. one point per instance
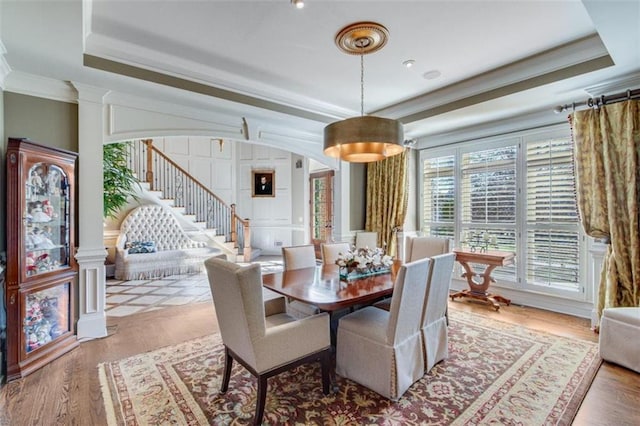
(578, 303)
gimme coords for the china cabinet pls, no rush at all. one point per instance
(41, 270)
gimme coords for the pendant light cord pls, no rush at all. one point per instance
(362, 82)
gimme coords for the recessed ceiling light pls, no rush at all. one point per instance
(430, 75)
(409, 63)
(299, 4)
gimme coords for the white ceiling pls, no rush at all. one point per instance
(497, 59)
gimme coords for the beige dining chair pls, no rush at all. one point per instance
(435, 338)
(366, 239)
(421, 247)
(330, 251)
(383, 350)
(265, 343)
(298, 257)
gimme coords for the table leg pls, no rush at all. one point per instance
(478, 290)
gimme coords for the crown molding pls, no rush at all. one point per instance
(531, 120)
(622, 84)
(569, 60)
(5, 69)
(41, 87)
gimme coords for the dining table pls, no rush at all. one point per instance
(322, 286)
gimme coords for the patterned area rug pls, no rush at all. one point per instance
(496, 373)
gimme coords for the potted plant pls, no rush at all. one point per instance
(119, 180)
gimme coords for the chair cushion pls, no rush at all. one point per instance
(369, 322)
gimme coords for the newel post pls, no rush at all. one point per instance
(234, 226)
(246, 250)
(149, 174)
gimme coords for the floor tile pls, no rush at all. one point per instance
(129, 297)
(168, 290)
(119, 298)
(148, 300)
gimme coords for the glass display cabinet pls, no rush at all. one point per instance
(41, 270)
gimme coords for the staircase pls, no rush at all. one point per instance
(209, 218)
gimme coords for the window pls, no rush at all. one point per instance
(519, 192)
(552, 226)
(438, 189)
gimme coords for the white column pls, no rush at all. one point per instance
(91, 253)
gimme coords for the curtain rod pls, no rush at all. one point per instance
(599, 101)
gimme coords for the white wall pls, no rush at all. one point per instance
(226, 170)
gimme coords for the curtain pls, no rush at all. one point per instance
(387, 198)
(607, 152)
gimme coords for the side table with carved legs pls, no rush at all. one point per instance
(479, 289)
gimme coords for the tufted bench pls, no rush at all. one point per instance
(164, 248)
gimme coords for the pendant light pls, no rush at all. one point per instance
(366, 138)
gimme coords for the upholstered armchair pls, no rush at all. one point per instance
(421, 247)
(330, 251)
(383, 350)
(366, 239)
(298, 257)
(266, 345)
(434, 316)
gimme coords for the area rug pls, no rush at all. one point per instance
(496, 373)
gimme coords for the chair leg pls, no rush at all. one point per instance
(228, 363)
(261, 400)
(325, 362)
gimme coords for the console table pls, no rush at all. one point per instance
(478, 289)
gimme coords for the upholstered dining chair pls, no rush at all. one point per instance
(434, 314)
(330, 251)
(298, 257)
(421, 247)
(383, 350)
(366, 239)
(265, 342)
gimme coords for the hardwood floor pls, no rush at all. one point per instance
(67, 391)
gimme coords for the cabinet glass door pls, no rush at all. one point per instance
(47, 316)
(46, 224)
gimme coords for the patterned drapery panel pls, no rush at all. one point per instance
(387, 198)
(607, 152)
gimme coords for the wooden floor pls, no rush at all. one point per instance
(67, 391)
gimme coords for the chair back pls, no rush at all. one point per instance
(437, 293)
(298, 257)
(421, 247)
(330, 251)
(366, 240)
(237, 297)
(405, 313)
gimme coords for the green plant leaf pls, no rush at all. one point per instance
(119, 181)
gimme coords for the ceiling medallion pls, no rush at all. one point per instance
(362, 38)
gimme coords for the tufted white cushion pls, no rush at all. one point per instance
(176, 252)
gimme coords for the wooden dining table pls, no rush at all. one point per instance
(321, 286)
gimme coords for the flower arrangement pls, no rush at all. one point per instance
(359, 262)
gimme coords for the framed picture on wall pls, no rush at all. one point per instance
(263, 183)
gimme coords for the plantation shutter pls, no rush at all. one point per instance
(439, 196)
(488, 198)
(552, 221)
